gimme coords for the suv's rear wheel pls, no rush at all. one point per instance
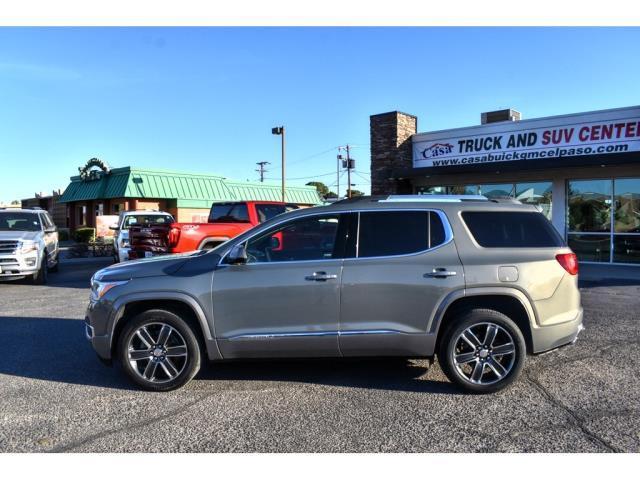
(484, 351)
(159, 351)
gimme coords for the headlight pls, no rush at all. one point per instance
(27, 246)
(99, 289)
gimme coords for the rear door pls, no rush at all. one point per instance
(406, 263)
(50, 237)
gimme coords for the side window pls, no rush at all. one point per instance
(48, 222)
(398, 233)
(309, 238)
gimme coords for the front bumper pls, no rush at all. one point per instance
(17, 266)
(96, 323)
(558, 335)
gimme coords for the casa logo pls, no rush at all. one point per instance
(437, 149)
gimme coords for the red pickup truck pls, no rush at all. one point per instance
(226, 220)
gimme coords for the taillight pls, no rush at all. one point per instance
(174, 236)
(569, 262)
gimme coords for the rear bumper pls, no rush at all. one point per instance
(554, 336)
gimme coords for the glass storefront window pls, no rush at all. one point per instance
(591, 248)
(431, 190)
(589, 205)
(627, 205)
(536, 193)
(463, 190)
(626, 248)
(497, 190)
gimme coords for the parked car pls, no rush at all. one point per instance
(134, 217)
(28, 244)
(226, 221)
(478, 283)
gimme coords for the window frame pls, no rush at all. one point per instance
(448, 236)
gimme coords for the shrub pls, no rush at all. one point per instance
(84, 234)
(63, 234)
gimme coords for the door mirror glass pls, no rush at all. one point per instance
(113, 226)
(238, 255)
(275, 243)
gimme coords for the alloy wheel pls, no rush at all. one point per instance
(157, 352)
(484, 353)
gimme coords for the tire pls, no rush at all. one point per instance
(40, 277)
(153, 371)
(56, 267)
(467, 363)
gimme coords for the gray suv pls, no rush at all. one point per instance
(478, 283)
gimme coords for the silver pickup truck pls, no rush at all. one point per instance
(28, 244)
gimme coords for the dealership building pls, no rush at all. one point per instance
(582, 170)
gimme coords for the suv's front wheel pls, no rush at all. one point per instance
(484, 351)
(159, 351)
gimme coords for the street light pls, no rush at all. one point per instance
(280, 131)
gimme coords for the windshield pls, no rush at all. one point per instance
(19, 222)
(145, 219)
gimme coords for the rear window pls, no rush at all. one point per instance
(267, 211)
(398, 233)
(511, 229)
(145, 219)
(229, 213)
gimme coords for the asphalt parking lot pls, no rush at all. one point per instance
(56, 396)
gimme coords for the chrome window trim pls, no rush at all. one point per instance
(448, 236)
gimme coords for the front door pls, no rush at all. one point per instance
(284, 302)
(406, 263)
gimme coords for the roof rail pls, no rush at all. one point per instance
(435, 198)
(505, 200)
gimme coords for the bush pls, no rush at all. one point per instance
(84, 234)
(63, 234)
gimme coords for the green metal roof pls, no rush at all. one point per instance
(190, 190)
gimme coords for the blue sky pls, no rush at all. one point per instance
(205, 99)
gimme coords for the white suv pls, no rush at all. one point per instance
(28, 244)
(131, 217)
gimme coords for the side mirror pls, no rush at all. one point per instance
(113, 226)
(238, 255)
(51, 230)
(275, 243)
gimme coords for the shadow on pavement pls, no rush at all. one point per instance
(372, 373)
(55, 349)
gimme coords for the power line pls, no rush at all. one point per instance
(305, 178)
(313, 156)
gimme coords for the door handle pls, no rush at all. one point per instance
(440, 273)
(320, 277)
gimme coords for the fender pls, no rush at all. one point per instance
(434, 322)
(120, 304)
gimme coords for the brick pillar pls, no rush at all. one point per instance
(391, 151)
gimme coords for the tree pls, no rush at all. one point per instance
(323, 190)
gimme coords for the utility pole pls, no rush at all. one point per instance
(261, 169)
(349, 166)
(339, 158)
(280, 131)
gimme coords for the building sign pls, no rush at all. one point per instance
(595, 133)
(93, 169)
